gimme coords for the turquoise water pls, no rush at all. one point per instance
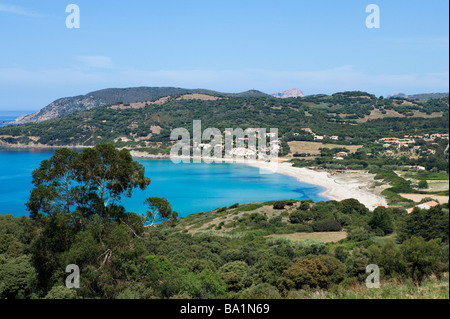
(190, 188)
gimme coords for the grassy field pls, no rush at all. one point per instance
(437, 186)
(423, 175)
(326, 237)
(313, 147)
(437, 182)
(377, 114)
(418, 197)
(430, 289)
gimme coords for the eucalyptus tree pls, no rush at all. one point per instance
(159, 210)
(85, 183)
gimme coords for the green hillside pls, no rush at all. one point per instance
(354, 116)
(236, 252)
(68, 105)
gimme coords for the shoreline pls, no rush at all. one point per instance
(351, 185)
(355, 185)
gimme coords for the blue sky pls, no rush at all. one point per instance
(230, 46)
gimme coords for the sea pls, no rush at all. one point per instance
(8, 116)
(189, 187)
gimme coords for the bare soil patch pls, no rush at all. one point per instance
(313, 147)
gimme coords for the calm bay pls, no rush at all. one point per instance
(189, 187)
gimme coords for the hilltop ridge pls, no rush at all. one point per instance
(67, 105)
(352, 116)
(147, 95)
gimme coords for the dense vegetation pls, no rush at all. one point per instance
(329, 115)
(231, 252)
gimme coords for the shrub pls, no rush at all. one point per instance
(232, 255)
(341, 254)
(304, 229)
(276, 221)
(344, 220)
(235, 275)
(269, 203)
(279, 205)
(206, 284)
(353, 206)
(381, 219)
(429, 224)
(387, 255)
(256, 218)
(299, 217)
(61, 292)
(378, 232)
(307, 272)
(260, 291)
(158, 264)
(248, 207)
(15, 277)
(291, 202)
(423, 184)
(273, 241)
(284, 214)
(358, 234)
(305, 205)
(335, 269)
(311, 247)
(421, 256)
(326, 225)
(357, 263)
(221, 224)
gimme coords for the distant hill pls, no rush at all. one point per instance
(289, 93)
(249, 93)
(427, 96)
(68, 105)
(420, 97)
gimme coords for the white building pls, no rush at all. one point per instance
(242, 151)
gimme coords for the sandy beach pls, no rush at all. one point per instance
(339, 187)
(356, 185)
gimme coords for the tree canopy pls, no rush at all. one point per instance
(85, 183)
